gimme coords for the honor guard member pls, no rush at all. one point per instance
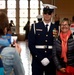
(41, 43)
(39, 18)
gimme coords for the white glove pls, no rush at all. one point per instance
(45, 61)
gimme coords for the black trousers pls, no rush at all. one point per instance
(38, 68)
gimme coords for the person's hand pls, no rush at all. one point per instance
(63, 70)
(45, 61)
(18, 48)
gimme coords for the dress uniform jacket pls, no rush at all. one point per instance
(40, 41)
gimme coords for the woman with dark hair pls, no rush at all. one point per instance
(3, 29)
(63, 50)
(10, 56)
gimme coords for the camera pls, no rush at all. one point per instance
(13, 40)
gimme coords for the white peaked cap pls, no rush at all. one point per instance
(50, 6)
(39, 16)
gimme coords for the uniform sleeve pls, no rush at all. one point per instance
(18, 65)
(54, 54)
(31, 40)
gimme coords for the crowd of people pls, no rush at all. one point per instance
(52, 53)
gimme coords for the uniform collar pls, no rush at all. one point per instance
(47, 23)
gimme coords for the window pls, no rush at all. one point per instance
(23, 15)
(23, 4)
(34, 4)
(27, 9)
(41, 7)
(2, 4)
(11, 10)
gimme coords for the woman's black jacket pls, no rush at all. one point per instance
(56, 53)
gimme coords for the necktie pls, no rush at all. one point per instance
(47, 28)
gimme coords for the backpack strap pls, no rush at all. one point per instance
(1, 48)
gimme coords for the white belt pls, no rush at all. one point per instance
(43, 47)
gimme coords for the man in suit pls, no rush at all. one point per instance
(41, 43)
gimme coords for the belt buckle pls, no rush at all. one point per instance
(45, 46)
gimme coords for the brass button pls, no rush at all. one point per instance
(35, 55)
(46, 35)
(45, 46)
(46, 41)
(45, 51)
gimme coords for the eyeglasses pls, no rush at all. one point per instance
(65, 25)
(49, 13)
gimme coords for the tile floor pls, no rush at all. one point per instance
(26, 57)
